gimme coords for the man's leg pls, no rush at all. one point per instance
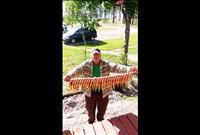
(90, 107)
(102, 104)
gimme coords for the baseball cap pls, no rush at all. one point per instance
(96, 50)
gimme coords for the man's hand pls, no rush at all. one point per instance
(68, 78)
(134, 69)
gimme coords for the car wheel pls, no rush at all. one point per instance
(92, 38)
(73, 41)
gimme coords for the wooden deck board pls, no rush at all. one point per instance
(89, 129)
(109, 129)
(78, 131)
(118, 126)
(133, 119)
(98, 128)
(121, 125)
(126, 123)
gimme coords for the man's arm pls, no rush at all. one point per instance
(118, 68)
(76, 72)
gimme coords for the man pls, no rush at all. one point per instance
(96, 67)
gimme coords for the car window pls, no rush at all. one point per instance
(85, 29)
(79, 30)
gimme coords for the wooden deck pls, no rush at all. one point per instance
(122, 125)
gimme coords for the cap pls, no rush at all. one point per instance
(94, 51)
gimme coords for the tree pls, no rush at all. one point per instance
(84, 13)
(110, 6)
(120, 9)
(129, 8)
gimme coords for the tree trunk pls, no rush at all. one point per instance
(123, 19)
(100, 12)
(113, 21)
(132, 21)
(127, 19)
(120, 8)
(83, 36)
(127, 35)
(96, 15)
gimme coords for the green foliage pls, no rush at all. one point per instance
(123, 58)
(82, 12)
(108, 5)
(85, 11)
(131, 7)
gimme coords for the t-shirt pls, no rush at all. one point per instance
(96, 73)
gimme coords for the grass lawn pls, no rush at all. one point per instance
(74, 55)
(113, 44)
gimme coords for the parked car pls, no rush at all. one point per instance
(76, 36)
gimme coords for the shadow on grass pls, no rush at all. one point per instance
(90, 43)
